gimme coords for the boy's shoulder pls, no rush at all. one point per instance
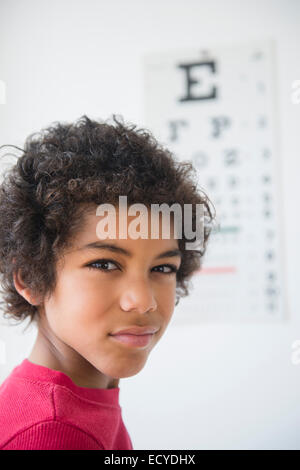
(37, 403)
(23, 403)
(32, 410)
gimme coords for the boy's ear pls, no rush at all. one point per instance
(22, 289)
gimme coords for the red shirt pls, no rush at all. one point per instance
(42, 408)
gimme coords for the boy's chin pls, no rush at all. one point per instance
(119, 372)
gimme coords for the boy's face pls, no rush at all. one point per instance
(91, 303)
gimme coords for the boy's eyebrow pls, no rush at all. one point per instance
(118, 249)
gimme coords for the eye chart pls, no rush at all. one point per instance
(217, 108)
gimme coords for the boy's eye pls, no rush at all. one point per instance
(171, 268)
(104, 263)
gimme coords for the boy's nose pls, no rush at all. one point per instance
(139, 296)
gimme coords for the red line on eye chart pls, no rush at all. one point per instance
(217, 270)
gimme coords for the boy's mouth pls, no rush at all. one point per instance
(136, 336)
(137, 330)
(133, 340)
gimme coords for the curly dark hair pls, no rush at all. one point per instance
(65, 169)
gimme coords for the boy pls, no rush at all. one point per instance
(100, 305)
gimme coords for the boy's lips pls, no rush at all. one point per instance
(137, 330)
(136, 336)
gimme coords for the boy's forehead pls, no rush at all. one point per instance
(89, 229)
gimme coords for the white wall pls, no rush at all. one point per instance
(205, 386)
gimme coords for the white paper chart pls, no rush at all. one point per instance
(217, 108)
